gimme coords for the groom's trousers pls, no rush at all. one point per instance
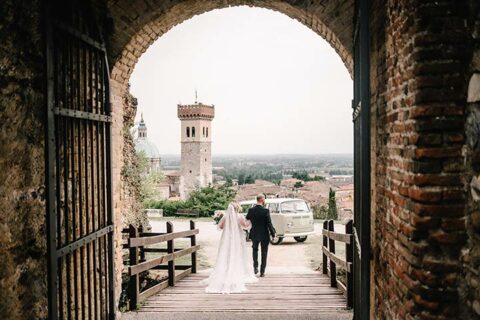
(264, 245)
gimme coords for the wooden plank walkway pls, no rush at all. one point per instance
(293, 294)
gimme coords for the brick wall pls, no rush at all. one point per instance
(378, 87)
(420, 210)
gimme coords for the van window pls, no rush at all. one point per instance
(273, 207)
(294, 206)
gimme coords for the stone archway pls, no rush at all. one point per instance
(136, 25)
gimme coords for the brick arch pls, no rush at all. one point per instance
(137, 24)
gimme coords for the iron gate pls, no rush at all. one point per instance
(78, 164)
(361, 121)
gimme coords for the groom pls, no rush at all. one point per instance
(259, 234)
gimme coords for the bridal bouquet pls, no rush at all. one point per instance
(217, 216)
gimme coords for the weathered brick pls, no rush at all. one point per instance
(442, 211)
(425, 195)
(429, 111)
(454, 224)
(448, 238)
(438, 152)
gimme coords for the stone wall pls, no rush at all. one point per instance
(22, 191)
(131, 210)
(196, 166)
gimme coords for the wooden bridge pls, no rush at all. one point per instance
(277, 296)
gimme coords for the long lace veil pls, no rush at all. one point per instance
(231, 272)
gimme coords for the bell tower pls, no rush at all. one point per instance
(196, 150)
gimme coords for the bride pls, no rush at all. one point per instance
(231, 272)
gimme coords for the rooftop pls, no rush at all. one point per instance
(272, 200)
(196, 111)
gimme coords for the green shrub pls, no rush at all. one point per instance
(205, 201)
(320, 212)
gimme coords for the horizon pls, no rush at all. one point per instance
(266, 154)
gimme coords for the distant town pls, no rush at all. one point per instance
(309, 177)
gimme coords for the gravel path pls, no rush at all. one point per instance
(288, 257)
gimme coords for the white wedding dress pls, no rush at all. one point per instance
(231, 271)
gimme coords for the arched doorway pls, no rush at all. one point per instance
(344, 25)
(132, 34)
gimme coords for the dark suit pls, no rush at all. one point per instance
(259, 234)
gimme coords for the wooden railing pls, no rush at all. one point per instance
(332, 262)
(138, 244)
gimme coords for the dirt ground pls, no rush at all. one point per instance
(288, 257)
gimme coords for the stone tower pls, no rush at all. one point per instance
(196, 139)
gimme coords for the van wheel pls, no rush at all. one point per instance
(300, 239)
(276, 240)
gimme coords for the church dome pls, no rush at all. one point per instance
(147, 147)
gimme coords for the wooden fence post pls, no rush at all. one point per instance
(325, 244)
(193, 243)
(331, 247)
(134, 283)
(141, 252)
(349, 258)
(170, 250)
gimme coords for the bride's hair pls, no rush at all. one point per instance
(236, 206)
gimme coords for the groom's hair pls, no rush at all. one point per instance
(260, 197)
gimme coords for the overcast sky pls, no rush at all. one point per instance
(276, 85)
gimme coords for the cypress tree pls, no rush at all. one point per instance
(332, 205)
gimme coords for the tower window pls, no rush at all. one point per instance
(193, 132)
(203, 131)
(207, 132)
(188, 132)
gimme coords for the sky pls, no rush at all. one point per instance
(277, 86)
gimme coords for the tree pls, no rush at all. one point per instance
(332, 205)
(205, 200)
(241, 178)
(149, 187)
(209, 199)
(304, 176)
(298, 184)
(301, 175)
(149, 180)
(249, 179)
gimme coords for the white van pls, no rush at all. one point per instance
(290, 217)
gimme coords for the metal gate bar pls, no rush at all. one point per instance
(361, 120)
(78, 164)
